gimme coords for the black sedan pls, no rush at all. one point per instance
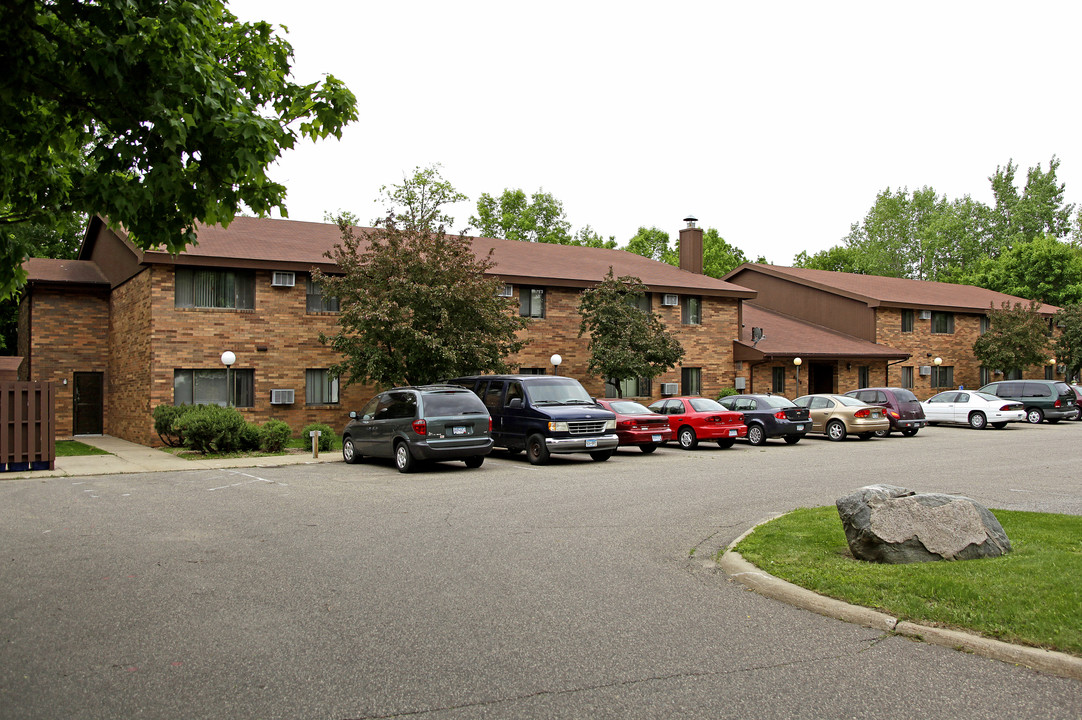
(770, 416)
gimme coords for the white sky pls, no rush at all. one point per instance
(776, 123)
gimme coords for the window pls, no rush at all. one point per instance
(198, 288)
(863, 371)
(320, 387)
(691, 381)
(986, 323)
(210, 387)
(942, 322)
(531, 302)
(1049, 372)
(942, 376)
(630, 387)
(778, 379)
(907, 321)
(907, 376)
(317, 302)
(533, 371)
(692, 310)
(986, 376)
(642, 302)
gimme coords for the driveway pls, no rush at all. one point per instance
(576, 590)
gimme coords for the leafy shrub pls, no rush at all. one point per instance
(251, 438)
(165, 417)
(726, 392)
(326, 439)
(211, 428)
(274, 435)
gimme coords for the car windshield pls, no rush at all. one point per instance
(705, 405)
(629, 407)
(777, 401)
(558, 392)
(846, 400)
(453, 403)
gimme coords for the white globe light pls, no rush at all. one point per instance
(938, 361)
(797, 361)
(556, 359)
(228, 358)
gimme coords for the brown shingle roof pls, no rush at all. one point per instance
(50, 270)
(289, 244)
(786, 336)
(876, 290)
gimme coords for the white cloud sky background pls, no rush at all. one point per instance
(776, 123)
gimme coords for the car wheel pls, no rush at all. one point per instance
(999, 425)
(648, 448)
(687, 438)
(882, 433)
(1077, 414)
(1034, 415)
(792, 439)
(536, 450)
(909, 432)
(475, 461)
(977, 420)
(726, 443)
(601, 455)
(403, 458)
(756, 434)
(836, 430)
(349, 451)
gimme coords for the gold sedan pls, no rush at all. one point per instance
(840, 415)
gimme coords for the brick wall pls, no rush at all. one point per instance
(708, 346)
(68, 336)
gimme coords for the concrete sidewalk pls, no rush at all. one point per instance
(128, 457)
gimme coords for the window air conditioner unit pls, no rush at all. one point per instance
(283, 279)
(669, 389)
(670, 299)
(925, 369)
(925, 315)
(281, 397)
(506, 291)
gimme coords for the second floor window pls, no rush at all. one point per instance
(692, 310)
(942, 323)
(531, 302)
(199, 288)
(318, 302)
(907, 321)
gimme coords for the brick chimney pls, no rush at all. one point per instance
(691, 246)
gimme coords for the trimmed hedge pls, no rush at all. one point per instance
(274, 435)
(211, 428)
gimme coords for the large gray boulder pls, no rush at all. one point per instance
(889, 524)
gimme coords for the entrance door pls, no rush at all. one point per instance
(88, 403)
(822, 378)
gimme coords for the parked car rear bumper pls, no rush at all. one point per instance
(581, 444)
(645, 437)
(1066, 413)
(451, 449)
(720, 432)
(908, 424)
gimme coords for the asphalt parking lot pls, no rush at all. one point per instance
(574, 590)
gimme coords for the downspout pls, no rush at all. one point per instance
(886, 373)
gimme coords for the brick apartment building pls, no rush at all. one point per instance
(121, 330)
(855, 331)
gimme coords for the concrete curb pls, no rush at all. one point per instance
(1047, 661)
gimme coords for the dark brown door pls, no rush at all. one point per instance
(88, 403)
(822, 378)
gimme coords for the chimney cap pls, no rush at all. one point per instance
(691, 220)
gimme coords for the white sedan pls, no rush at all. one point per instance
(976, 409)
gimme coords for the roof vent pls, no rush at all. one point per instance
(691, 220)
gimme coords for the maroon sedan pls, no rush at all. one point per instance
(638, 425)
(698, 418)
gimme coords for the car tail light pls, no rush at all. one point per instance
(1007, 408)
(490, 423)
(625, 425)
(894, 415)
(862, 413)
(1057, 403)
(780, 414)
(421, 427)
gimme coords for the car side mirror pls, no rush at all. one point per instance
(515, 404)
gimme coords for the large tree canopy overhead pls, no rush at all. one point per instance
(155, 114)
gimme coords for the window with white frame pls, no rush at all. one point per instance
(210, 387)
(224, 289)
(320, 387)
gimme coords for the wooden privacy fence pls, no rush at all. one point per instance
(27, 426)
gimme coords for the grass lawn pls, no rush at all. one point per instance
(1031, 596)
(71, 448)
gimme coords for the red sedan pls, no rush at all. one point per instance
(698, 418)
(638, 425)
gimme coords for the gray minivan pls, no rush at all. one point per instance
(1051, 400)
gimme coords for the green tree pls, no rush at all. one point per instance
(626, 341)
(587, 237)
(1017, 338)
(419, 201)
(1038, 209)
(416, 307)
(653, 243)
(1069, 341)
(719, 257)
(1042, 269)
(154, 114)
(838, 258)
(513, 216)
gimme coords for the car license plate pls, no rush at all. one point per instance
(655, 438)
(591, 443)
(733, 433)
(458, 430)
(799, 427)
